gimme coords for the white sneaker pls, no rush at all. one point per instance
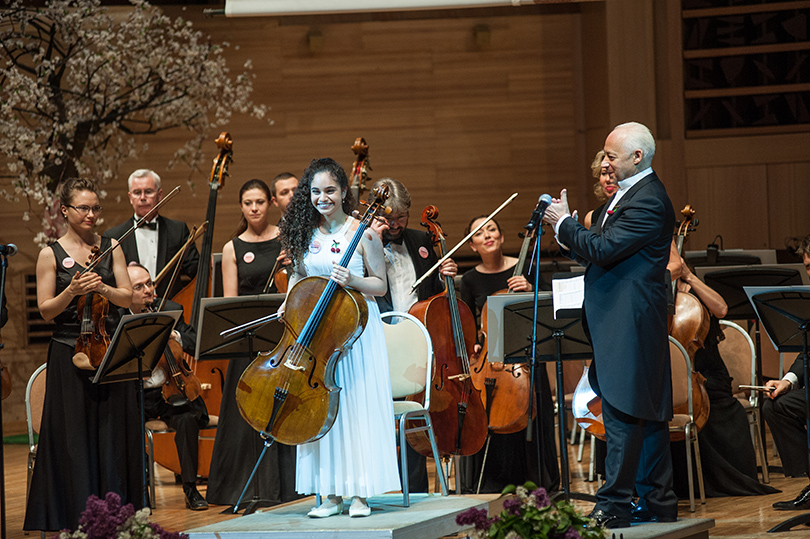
(327, 509)
(359, 507)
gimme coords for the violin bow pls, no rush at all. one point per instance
(140, 223)
(462, 242)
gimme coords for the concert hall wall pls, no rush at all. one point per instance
(465, 107)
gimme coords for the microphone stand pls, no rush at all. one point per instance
(3, 267)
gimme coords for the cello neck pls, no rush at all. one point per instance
(455, 316)
(524, 252)
(204, 265)
(314, 320)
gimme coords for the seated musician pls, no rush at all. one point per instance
(186, 418)
(726, 449)
(154, 243)
(510, 459)
(785, 414)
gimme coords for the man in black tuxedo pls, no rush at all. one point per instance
(155, 242)
(408, 255)
(625, 253)
(786, 416)
(185, 418)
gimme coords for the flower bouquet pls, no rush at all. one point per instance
(107, 519)
(530, 514)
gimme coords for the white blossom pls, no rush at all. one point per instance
(75, 93)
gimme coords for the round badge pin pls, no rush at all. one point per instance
(423, 252)
(249, 257)
(315, 247)
(68, 263)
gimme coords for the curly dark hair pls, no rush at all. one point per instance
(302, 217)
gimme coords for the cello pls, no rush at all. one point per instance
(690, 326)
(506, 387)
(456, 409)
(289, 394)
(360, 168)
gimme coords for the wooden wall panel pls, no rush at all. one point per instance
(788, 203)
(722, 198)
(462, 127)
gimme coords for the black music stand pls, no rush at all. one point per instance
(558, 340)
(785, 314)
(220, 314)
(134, 350)
(730, 283)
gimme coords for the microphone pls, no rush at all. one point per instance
(537, 215)
(8, 250)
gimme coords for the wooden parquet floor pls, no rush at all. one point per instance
(736, 518)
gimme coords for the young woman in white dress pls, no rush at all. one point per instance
(357, 457)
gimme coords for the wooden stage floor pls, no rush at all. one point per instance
(735, 518)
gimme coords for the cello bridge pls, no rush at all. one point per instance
(290, 365)
(460, 377)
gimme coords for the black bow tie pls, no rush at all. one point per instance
(150, 226)
(398, 240)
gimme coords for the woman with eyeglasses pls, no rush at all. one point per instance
(89, 440)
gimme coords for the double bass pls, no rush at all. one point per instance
(506, 387)
(289, 394)
(212, 373)
(458, 414)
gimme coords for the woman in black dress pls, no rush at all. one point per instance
(247, 261)
(511, 459)
(726, 451)
(90, 439)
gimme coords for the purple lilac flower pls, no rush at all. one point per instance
(512, 506)
(542, 497)
(571, 533)
(102, 518)
(474, 517)
(163, 534)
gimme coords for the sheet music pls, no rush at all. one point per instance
(568, 293)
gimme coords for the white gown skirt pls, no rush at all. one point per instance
(358, 456)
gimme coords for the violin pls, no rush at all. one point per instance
(506, 387)
(458, 414)
(93, 340)
(278, 277)
(690, 326)
(181, 385)
(289, 394)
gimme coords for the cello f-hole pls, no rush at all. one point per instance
(314, 361)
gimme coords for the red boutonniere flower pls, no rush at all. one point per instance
(610, 212)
